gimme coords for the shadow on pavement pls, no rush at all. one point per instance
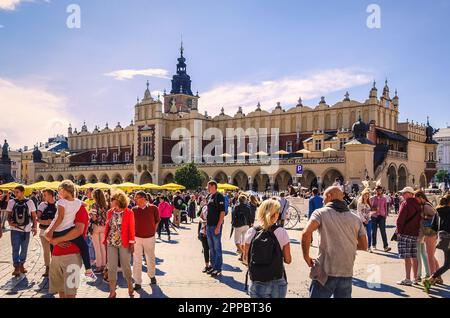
(231, 282)
(228, 253)
(382, 288)
(229, 268)
(388, 254)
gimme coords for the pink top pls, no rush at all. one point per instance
(379, 204)
(165, 209)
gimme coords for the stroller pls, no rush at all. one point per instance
(184, 217)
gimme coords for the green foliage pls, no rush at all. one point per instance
(189, 176)
(441, 175)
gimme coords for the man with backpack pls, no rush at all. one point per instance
(22, 221)
(240, 220)
(214, 222)
(342, 233)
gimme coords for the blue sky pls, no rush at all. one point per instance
(238, 53)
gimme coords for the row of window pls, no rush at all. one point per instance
(115, 157)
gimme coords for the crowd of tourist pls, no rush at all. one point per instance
(110, 231)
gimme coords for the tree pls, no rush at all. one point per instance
(442, 175)
(189, 176)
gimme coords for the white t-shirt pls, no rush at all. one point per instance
(280, 233)
(70, 210)
(31, 208)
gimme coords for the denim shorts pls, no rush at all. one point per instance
(273, 289)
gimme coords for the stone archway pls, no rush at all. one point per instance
(60, 178)
(240, 179)
(169, 178)
(402, 177)
(50, 178)
(129, 178)
(146, 177)
(70, 177)
(261, 182)
(308, 180)
(93, 179)
(221, 177)
(392, 179)
(282, 181)
(117, 179)
(423, 181)
(40, 178)
(105, 179)
(81, 180)
(330, 177)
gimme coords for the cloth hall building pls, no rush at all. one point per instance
(362, 140)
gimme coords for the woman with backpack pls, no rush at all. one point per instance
(426, 243)
(441, 224)
(240, 220)
(267, 248)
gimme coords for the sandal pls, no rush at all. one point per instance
(113, 295)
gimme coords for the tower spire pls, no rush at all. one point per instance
(181, 48)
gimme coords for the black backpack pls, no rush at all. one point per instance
(21, 213)
(265, 257)
(239, 216)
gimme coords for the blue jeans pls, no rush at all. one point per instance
(19, 243)
(91, 248)
(379, 221)
(272, 289)
(215, 247)
(369, 232)
(338, 287)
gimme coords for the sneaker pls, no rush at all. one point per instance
(209, 272)
(417, 281)
(370, 250)
(206, 269)
(90, 274)
(137, 287)
(439, 281)
(153, 281)
(387, 249)
(216, 273)
(405, 282)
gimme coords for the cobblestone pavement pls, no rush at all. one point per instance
(179, 265)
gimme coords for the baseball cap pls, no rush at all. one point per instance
(407, 190)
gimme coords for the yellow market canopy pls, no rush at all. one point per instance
(128, 186)
(98, 185)
(151, 186)
(9, 186)
(172, 187)
(41, 185)
(226, 186)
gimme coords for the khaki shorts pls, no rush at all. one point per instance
(176, 214)
(64, 275)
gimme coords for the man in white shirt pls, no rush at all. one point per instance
(22, 221)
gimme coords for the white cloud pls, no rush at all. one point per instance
(130, 74)
(285, 90)
(30, 115)
(9, 5)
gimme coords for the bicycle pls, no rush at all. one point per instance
(293, 217)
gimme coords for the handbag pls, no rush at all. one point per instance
(443, 241)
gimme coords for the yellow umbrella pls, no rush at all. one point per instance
(128, 186)
(226, 186)
(172, 187)
(98, 185)
(40, 185)
(54, 185)
(9, 186)
(151, 186)
(304, 151)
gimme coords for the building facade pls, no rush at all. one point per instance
(442, 137)
(349, 140)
